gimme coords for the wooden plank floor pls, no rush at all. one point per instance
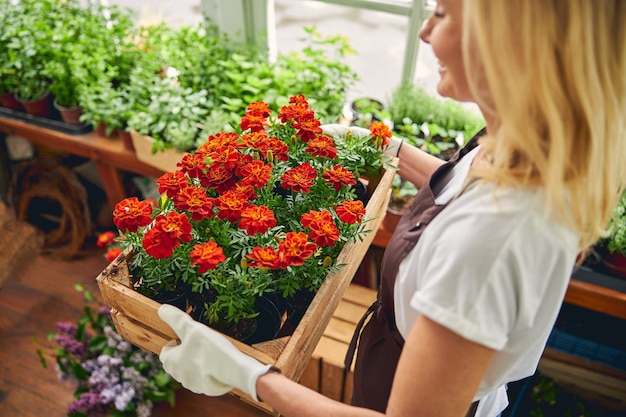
(30, 305)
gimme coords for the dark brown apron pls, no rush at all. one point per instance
(380, 342)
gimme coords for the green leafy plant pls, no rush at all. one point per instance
(616, 240)
(435, 125)
(167, 112)
(112, 377)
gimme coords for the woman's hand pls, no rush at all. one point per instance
(205, 362)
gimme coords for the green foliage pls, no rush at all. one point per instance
(616, 241)
(430, 123)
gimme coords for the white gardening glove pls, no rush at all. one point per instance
(205, 362)
(392, 149)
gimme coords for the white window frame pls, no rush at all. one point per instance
(253, 21)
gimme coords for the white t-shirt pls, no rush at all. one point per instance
(492, 268)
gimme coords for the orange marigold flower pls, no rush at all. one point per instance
(351, 212)
(278, 149)
(259, 108)
(176, 225)
(299, 99)
(292, 112)
(230, 205)
(323, 228)
(105, 239)
(255, 140)
(130, 214)
(295, 249)
(218, 141)
(263, 257)
(112, 254)
(227, 156)
(193, 165)
(159, 244)
(256, 219)
(381, 133)
(300, 178)
(171, 183)
(339, 176)
(256, 173)
(195, 201)
(207, 256)
(322, 147)
(307, 126)
(253, 122)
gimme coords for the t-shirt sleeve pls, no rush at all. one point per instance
(487, 274)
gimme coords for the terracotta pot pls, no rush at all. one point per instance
(9, 101)
(616, 263)
(39, 107)
(391, 219)
(101, 130)
(70, 115)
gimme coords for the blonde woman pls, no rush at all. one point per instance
(473, 278)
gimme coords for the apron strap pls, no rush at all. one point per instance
(357, 333)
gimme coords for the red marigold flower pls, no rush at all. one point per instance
(194, 200)
(218, 141)
(227, 156)
(256, 173)
(159, 244)
(300, 178)
(207, 256)
(323, 228)
(294, 250)
(307, 126)
(381, 133)
(263, 257)
(259, 108)
(193, 165)
(256, 219)
(230, 205)
(351, 212)
(112, 253)
(171, 183)
(322, 147)
(105, 239)
(253, 122)
(176, 225)
(278, 149)
(339, 176)
(130, 214)
(299, 99)
(255, 140)
(292, 112)
(218, 178)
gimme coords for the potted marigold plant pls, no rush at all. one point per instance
(258, 212)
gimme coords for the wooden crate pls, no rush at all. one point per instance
(165, 159)
(136, 319)
(325, 371)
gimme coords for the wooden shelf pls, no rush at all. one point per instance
(109, 154)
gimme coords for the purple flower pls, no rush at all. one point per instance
(71, 345)
(67, 328)
(105, 311)
(88, 403)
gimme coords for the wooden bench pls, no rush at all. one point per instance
(325, 371)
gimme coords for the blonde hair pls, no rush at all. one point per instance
(556, 75)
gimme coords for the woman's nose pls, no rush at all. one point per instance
(427, 27)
